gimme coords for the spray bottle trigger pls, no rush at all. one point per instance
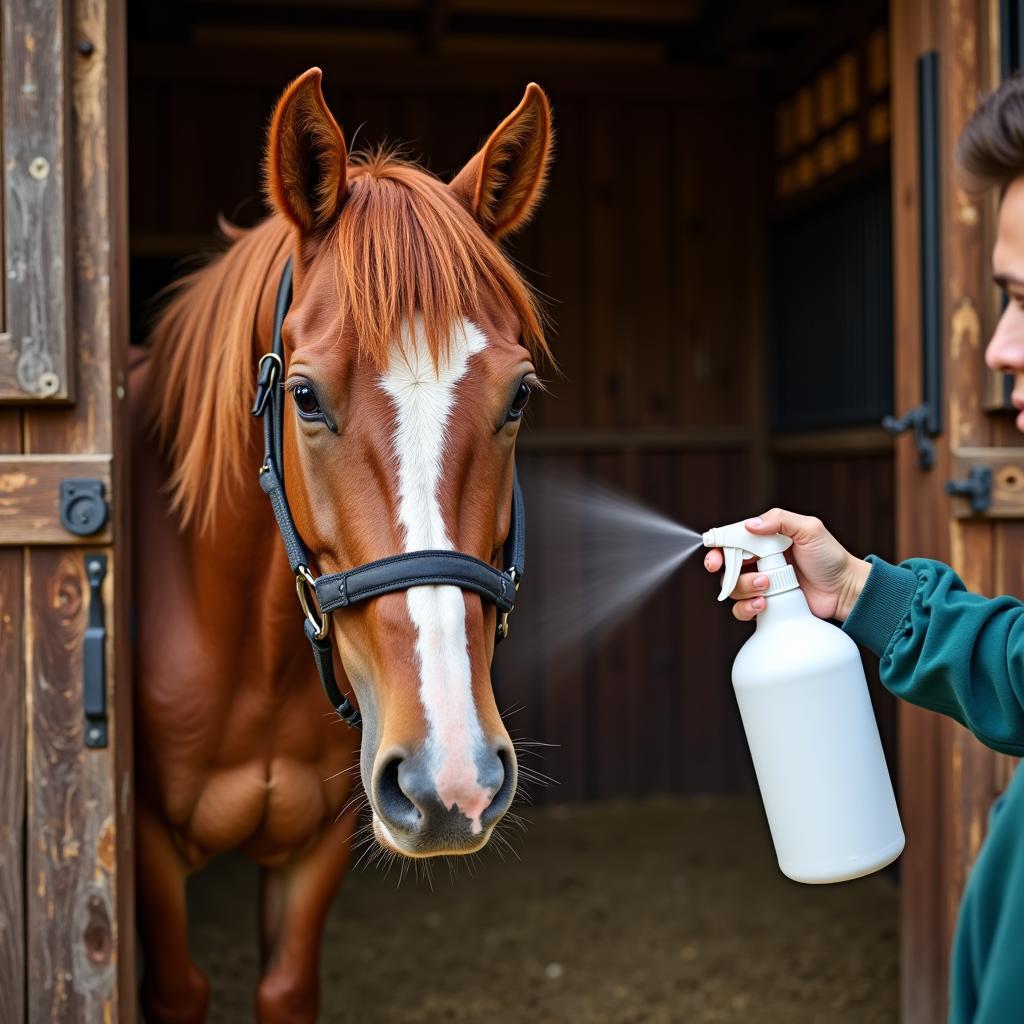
(731, 574)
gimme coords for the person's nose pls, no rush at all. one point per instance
(1005, 351)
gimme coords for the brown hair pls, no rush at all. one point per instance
(403, 244)
(990, 151)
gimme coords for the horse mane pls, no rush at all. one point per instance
(403, 244)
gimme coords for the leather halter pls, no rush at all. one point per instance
(398, 572)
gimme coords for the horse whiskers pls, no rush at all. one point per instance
(344, 771)
(532, 775)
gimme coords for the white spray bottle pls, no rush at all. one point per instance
(812, 733)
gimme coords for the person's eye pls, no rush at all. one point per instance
(306, 401)
(522, 396)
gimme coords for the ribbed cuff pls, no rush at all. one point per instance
(883, 605)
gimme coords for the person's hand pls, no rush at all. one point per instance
(830, 577)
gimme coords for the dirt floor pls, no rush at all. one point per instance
(641, 913)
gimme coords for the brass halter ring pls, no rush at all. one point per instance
(275, 359)
(305, 587)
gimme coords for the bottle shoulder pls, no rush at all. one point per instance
(795, 645)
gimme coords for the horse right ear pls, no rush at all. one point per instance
(306, 166)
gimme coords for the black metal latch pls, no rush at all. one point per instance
(83, 509)
(920, 421)
(94, 656)
(977, 487)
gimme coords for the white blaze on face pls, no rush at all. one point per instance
(424, 399)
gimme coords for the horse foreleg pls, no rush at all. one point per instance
(174, 990)
(294, 904)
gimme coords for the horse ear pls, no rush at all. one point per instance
(306, 168)
(503, 183)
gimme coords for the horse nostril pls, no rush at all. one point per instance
(392, 803)
(503, 781)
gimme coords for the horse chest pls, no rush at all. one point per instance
(260, 775)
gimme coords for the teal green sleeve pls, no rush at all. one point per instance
(946, 649)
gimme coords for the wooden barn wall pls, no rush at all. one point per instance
(648, 250)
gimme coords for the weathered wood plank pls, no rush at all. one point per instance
(34, 350)
(71, 805)
(79, 900)
(1007, 468)
(30, 496)
(922, 943)
(12, 790)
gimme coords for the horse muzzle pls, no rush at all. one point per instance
(422, 812)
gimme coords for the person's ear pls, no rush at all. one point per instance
(502, 185)
(306, 161)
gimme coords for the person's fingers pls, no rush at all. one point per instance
(713, 560)
(789, 524)
(747, 610)
(750, 584)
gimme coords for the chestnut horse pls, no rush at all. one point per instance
(410, 350)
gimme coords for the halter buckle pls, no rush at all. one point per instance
(503, 617)
(305, 587)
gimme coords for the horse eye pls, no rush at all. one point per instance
(519, 402)
(306, 400)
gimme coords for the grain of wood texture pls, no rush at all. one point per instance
(30, 496)
(79, 902)
(711, 758)
(647, 332)
(565, 690)
(561, 223)
(71, 806)
(655, 629)
(12, 790)
(608, 669)
(605, 384)
(35, 361)
(969, 787)
(918, 530)
(219, 63)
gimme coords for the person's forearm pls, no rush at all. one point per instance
(945, 649)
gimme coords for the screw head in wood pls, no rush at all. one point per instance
(39, 168)
(47, 384)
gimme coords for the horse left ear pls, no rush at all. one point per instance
(504, 182)
(306, 177)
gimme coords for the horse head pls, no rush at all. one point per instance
(411, 348)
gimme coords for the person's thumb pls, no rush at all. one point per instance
(789, 524)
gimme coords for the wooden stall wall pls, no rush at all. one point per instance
(647, 248)
(66, 849)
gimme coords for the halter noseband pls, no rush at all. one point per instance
(319, 596)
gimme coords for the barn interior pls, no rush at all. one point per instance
(715, 248)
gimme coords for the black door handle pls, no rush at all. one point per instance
(94, 656)
(977, 487)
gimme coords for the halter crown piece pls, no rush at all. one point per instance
(320, 596)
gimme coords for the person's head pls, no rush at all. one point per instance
(990, 154)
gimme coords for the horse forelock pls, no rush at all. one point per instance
(403, 249)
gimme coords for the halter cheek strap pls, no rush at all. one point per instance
(320, 596)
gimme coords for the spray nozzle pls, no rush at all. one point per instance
(738, 543)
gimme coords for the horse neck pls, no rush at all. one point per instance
(239, 562)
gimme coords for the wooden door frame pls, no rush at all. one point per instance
(948, 779)
(67, 929)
